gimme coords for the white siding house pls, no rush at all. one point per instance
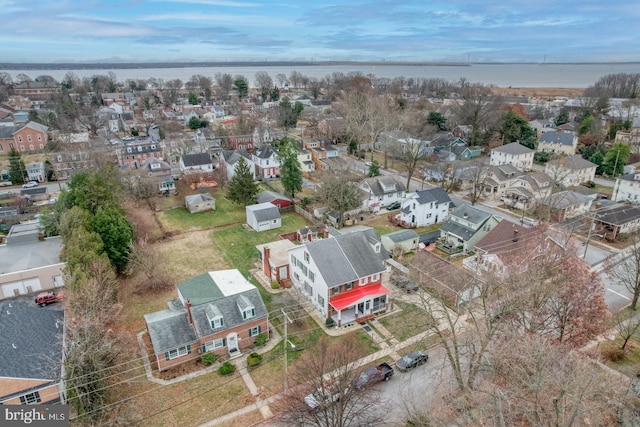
(424, 208)
(263, 216)
(514, 154)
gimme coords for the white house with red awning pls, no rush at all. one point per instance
(342, 276)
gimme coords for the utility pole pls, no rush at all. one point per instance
(286, 320)
(586, 245)
(615, 165)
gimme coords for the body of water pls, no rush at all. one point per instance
(502, 75)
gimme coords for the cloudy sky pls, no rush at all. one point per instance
(317, 30)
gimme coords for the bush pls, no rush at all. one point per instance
(329, 322)
(226, 369)
(208, 359)
(275, 284)
(254, 359)
(261, 339)
(614, 354)
(624, 237)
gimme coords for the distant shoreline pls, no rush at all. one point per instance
(144, 65)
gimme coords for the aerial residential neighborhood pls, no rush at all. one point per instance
(163, 244)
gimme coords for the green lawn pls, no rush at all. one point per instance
(407, 323)
(226, 213)
(238, 244)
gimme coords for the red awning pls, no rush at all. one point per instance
(353, 296)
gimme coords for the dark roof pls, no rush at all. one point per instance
(196, 159)
(31, 341)
(169, 329)
(265, 152)
(438, 195)
(506, 237)
(429, 238)
(377, 184)
(618, 215)
(564, 138)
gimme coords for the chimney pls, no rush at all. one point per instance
(265, 262)
(465, 214)
(187, 305)
(515, 236)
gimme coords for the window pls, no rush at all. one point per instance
(29, 138)
(31, 147)
(255, 331)
(363, 281)
(213, 344)
(320, 300)
(312, 276)
(30, 399)
(178, 352)
(22, 148)
(248, 313)
(349, 286)
(19, 138)
(42, 146)
(375, 277)
(306, 257)
(217, 322)
(335, 291)
(39, 137)
(304, 270)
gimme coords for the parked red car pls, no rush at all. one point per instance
(45, 298)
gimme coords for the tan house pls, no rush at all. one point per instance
(555, 142)
(570, 171)
(218, 312)
(28, 264)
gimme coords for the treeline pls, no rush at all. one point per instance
(620, 85)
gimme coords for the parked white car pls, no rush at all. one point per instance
(30, 184)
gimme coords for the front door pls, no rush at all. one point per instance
(232, 343)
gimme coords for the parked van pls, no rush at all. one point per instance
(530, 222)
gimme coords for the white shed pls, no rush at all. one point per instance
(200, 202)
(263, 216)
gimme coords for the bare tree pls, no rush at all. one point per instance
(264, 84)
(144, 259)
(282, 79)
(626, 327)
(478, 108)
(411, 153)
(321, 389)
(173, 87)
(339, 192)
(627, 270)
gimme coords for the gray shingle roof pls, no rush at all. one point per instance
(265, 152)
(345, 258)
(6, 132)
(196, 159)
(513, 148)
(564, 138)
(169, 329)
(402, 235)
(31, 341)
(454, 228)
(264, 211)
(573, 162)
(198, 198)
(438, 195)
(377, 184)
(618, 215)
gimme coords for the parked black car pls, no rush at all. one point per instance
(393, 206)
(411, 360)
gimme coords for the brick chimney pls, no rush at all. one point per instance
(187, 305)
(265, 262)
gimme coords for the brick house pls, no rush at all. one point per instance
(31, 137)
(218, 312)
(135, 155)
(274, 260)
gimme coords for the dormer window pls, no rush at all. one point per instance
(214, 316)
(376, 248)
(246, 308)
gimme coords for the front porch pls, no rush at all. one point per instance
(358, 305)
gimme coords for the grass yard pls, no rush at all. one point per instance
(188, 403)
(407, 323)
(237, 244)
(180, 219)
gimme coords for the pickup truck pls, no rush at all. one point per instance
(44, 298)
(373, 375)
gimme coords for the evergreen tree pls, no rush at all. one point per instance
(17, 170)
(290, 170)
(116, 233)
(242, 188)
(516, 128)
(374, 168)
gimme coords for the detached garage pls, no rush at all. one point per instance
(263, 216)
(200, 203)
